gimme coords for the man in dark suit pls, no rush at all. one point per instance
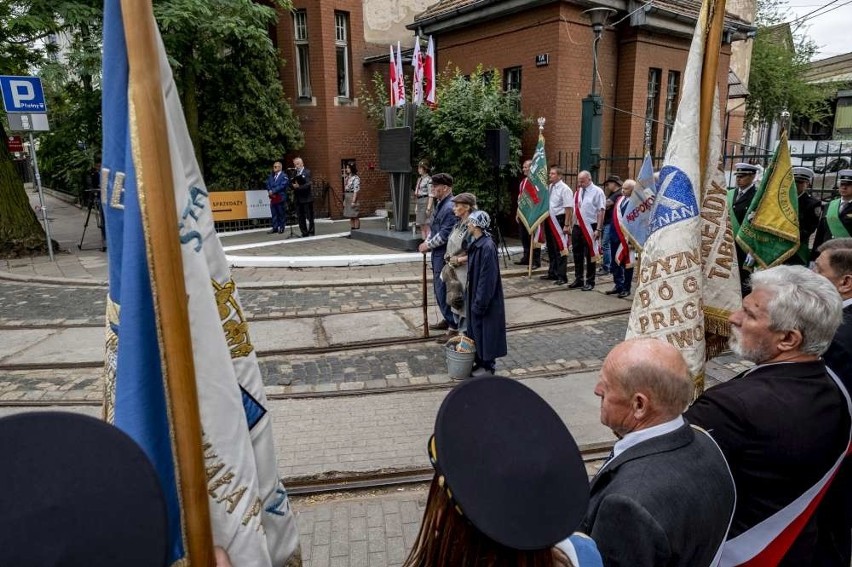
(810, 211)
(784, 424)
(665, 497)
(835, 513)
(442, 224)
(276, 186)
(836, 220)
(304, 197)
(739, 200)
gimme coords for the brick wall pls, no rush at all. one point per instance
(334, 130)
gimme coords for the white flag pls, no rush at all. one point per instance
(417, 75)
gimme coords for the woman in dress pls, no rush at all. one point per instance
(351, 186)
(424, 199)
(509, 487)
(455, 258)
(486, 312)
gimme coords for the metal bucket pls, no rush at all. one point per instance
(459, 364)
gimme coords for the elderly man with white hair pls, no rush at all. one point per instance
(783, 425)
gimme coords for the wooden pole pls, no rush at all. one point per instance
(156, 195)
(425, 311)
(531, 253)
(709, 79)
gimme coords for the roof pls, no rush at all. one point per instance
(831, 69)
(736, 88)
(445, 9)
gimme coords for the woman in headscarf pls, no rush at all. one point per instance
(486, 312)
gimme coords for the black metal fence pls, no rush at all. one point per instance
(826, 163)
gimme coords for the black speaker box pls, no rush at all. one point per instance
(497, 146)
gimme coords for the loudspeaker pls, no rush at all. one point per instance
(395, 150)
(497, 146)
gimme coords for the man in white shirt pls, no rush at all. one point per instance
(589, 207)
(557, 227)
(666, 496)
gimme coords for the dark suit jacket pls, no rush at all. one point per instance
(442, 225)
(741, 204)
(810, 212)
(664, 502)
(781, 427)
(823, 233)
(302, 187)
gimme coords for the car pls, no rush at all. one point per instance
(826, 172)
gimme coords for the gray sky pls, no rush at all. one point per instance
(830, 31)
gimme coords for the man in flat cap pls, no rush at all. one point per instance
(836, 220)
(612, 190)
(442, 224)
(739, 199)
(665, 497)
(783, 424)
(810, 210)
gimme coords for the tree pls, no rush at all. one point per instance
(452, 135)
(778, 63)
(24, 27)
(226, 69)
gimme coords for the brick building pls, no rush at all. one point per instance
(544, 48)
(324, 46)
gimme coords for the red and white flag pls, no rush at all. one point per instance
(393, 80)
(429, 74)
(400, 78)
(417, 82)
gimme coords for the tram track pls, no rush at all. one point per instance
(262, 317)
(343, 347)
(82, 402)
(593, 455)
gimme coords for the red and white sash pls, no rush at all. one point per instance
(766, 543)
(624, 255)
(586, 227)
(552, 225)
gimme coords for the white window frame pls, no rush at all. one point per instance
(341, 43)
(303, 63)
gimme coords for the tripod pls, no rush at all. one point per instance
(93, 196)
(501, 242)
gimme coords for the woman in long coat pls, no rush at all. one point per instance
(486, 310)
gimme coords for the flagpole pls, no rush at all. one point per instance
(709, 80)
(154, 178)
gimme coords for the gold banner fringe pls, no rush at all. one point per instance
(697, 386)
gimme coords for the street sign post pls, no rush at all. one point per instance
(22, 94)
(23, 99)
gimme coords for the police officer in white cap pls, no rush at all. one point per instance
(836, 220)
(739, 199)
(810, 210)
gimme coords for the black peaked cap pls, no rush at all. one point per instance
(510, 463)
(77, 491)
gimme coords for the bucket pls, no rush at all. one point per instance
(459, 364)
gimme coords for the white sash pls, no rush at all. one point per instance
(756, 545)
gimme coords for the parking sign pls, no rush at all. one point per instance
(22, 94)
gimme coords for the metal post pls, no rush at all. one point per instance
(41, 199)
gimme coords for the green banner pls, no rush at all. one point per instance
(534, 199)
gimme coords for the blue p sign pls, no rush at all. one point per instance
(22, 94)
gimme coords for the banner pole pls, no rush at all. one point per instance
(156, 188)
(709, 76)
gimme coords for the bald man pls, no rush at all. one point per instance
(665, 497)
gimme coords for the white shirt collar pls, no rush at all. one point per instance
(635, 437)
(847, 302)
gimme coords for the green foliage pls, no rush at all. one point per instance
(778, 63)
(374, 100)
(225, 63)
(453, 134)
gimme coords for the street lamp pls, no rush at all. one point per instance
(590, 131)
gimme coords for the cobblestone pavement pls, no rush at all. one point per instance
(374, 530)
(29, 303)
